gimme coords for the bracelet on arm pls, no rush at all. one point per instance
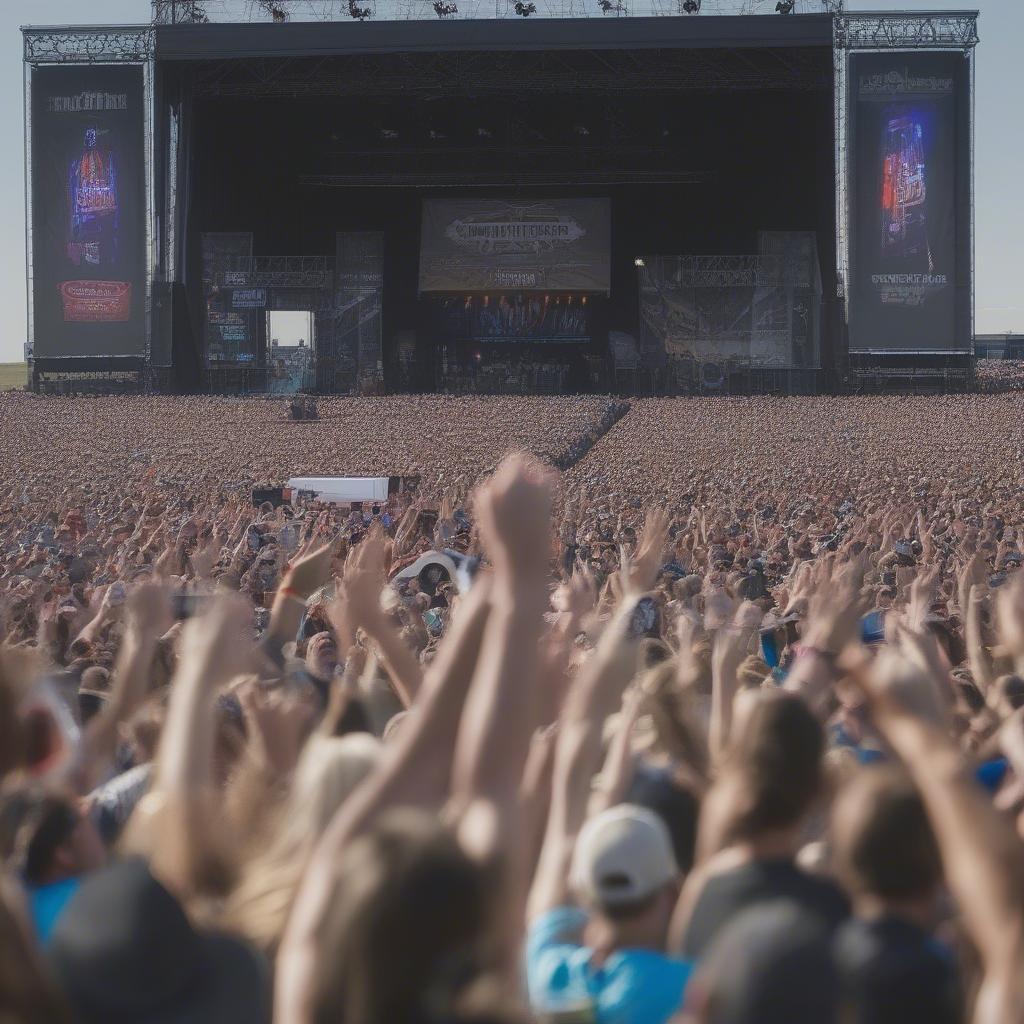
(809, 651)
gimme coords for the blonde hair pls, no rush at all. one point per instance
(328, 771)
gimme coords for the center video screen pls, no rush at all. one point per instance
(519, 317)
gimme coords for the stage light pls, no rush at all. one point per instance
(389, 134)
(484, 133)
(525, 10)
(691, 6)
(357, 12)
(785, 6)
(639, 262)
(581, 129)
(442, 8)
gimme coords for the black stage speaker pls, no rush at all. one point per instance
(161, 352)
(275, 495)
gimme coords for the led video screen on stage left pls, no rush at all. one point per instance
(88, 212)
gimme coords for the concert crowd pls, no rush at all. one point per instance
(692, 711)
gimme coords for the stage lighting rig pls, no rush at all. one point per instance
(525, 10)
(785, 6)
(356, 12)
(444, 9)
(609, 6)
(691, 6)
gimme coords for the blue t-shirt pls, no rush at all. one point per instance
(633, 986)
(47, 903)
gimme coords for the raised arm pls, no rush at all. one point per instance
(414, 773)
(595, 696)
(502, 712)
(981, 854)
(307, 573)
(178, 811)
(149, 617)
(364, 581)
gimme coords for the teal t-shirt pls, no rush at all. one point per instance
(47, 903)
(633, 986)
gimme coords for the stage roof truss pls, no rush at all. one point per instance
(907, 30)
(606, 72)
(100, 44)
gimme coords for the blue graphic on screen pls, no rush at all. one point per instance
(904, 187)
(93, 196)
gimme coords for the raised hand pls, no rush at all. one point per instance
(640, 574)
(514, 509)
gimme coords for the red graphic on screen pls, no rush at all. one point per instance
(96, 301)
(92, 191)
(904, 190)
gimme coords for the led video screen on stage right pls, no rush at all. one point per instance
(906, 219)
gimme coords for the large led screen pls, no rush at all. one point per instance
(88, 211)
(907, 223)
(486, 245)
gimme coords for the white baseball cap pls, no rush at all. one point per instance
(622, 855)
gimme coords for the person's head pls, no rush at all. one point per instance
(772, 964)
(322, 656)
(773, 769)
(46, 838)
(883, 844)
(624, 871)
(92, 692)
(124, 950)
(675, 803)
(1009, 694)
(327, 773)
(409, 928)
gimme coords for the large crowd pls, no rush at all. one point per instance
(701, 710)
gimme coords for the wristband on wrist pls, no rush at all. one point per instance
(809, 651)
(292, 593)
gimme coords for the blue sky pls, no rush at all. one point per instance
(999, 155)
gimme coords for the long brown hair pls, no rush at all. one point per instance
(407, 935)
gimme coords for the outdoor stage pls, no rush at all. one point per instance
(515, 204)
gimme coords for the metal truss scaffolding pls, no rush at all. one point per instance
(191, 12)
(105, 44)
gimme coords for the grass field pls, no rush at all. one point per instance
(12, 375)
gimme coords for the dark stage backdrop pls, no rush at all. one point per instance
(472, 245)
(231, 329)
(907, 219)
(88, 212)
(359, 289)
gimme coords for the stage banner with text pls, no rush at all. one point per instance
(908, 221)
(231, 330)
(359, 290)
(88, 211)
(486, 245)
